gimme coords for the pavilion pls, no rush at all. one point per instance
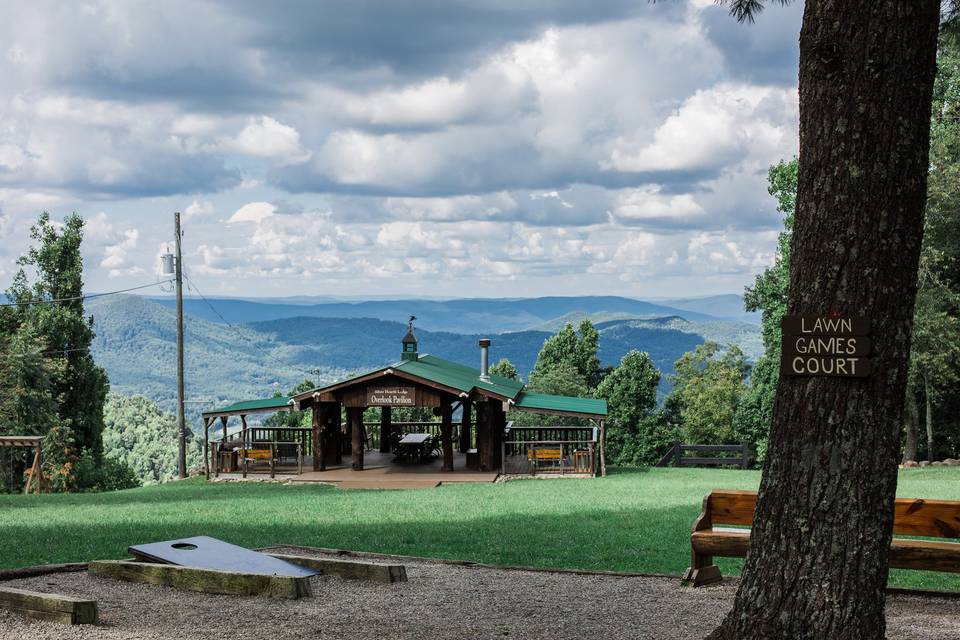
(483, 436)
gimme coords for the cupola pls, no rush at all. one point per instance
(409, 342)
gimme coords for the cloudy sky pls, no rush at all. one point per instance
(381, 147)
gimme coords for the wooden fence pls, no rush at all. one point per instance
(743, 455)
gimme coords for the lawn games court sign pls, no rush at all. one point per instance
(826, 346)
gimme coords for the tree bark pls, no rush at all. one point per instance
(911, 417)
(817, 566)
(928, 418)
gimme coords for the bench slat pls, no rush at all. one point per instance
(912, 516)
(930, 518)
(733, 507)
(931, 555)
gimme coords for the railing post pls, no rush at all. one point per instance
(746, 454)
(677, 453)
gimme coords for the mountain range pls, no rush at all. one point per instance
(468, 315)
(229, 360)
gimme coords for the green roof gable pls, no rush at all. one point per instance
(458, 376)
(561, 404)
(253, 406)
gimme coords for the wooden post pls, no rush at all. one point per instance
(39, 467)
(498, 422)
(465, 425)
(319, 463)
(490, 436)
(446, 434)
(677, 453)
(338, 434)
(273, 454)
(385, 429)
(357, 441)
(34, 471)
(483, 427)
(243, 443)
(603, 448)
(206, 448)
(746, 455)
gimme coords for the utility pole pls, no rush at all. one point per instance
(181, 422)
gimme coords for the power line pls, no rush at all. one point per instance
(194, 287)
(84, 297)
(44, 354)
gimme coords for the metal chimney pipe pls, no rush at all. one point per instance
(485, 359)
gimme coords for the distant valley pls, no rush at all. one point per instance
(253, 356)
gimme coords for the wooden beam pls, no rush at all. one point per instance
(349, 569)
(49, 606)
(446, 434)
(202, 580)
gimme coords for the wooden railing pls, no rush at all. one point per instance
(285, 444)
(547, 449)
(743, 454)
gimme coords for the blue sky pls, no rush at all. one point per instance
(395, 147)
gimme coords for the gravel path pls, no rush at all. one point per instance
(440, 601)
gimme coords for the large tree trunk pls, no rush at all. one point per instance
(911, 418)
(817, 566)
(928, 418)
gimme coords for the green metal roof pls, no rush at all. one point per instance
(253, 406)
(565, 404)
(466, 379)
(458, 376)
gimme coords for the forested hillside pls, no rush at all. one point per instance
(136, 344)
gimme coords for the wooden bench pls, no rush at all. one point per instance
(912, 517)
(545, 454)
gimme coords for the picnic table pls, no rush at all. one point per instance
(415, 446)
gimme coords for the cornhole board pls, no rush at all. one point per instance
(204, 552)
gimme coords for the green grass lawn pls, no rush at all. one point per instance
(630, 521)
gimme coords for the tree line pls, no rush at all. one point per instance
(51, 386)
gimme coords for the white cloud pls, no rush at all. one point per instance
(714, 128)
(253, 212)
(198, 209)
(573, 154)
(266, 137)
(648, 203)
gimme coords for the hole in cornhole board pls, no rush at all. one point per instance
(204, 552)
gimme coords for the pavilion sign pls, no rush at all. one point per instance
(826, 346)
(391, 397)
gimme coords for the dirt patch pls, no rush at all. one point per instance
(439, 601)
